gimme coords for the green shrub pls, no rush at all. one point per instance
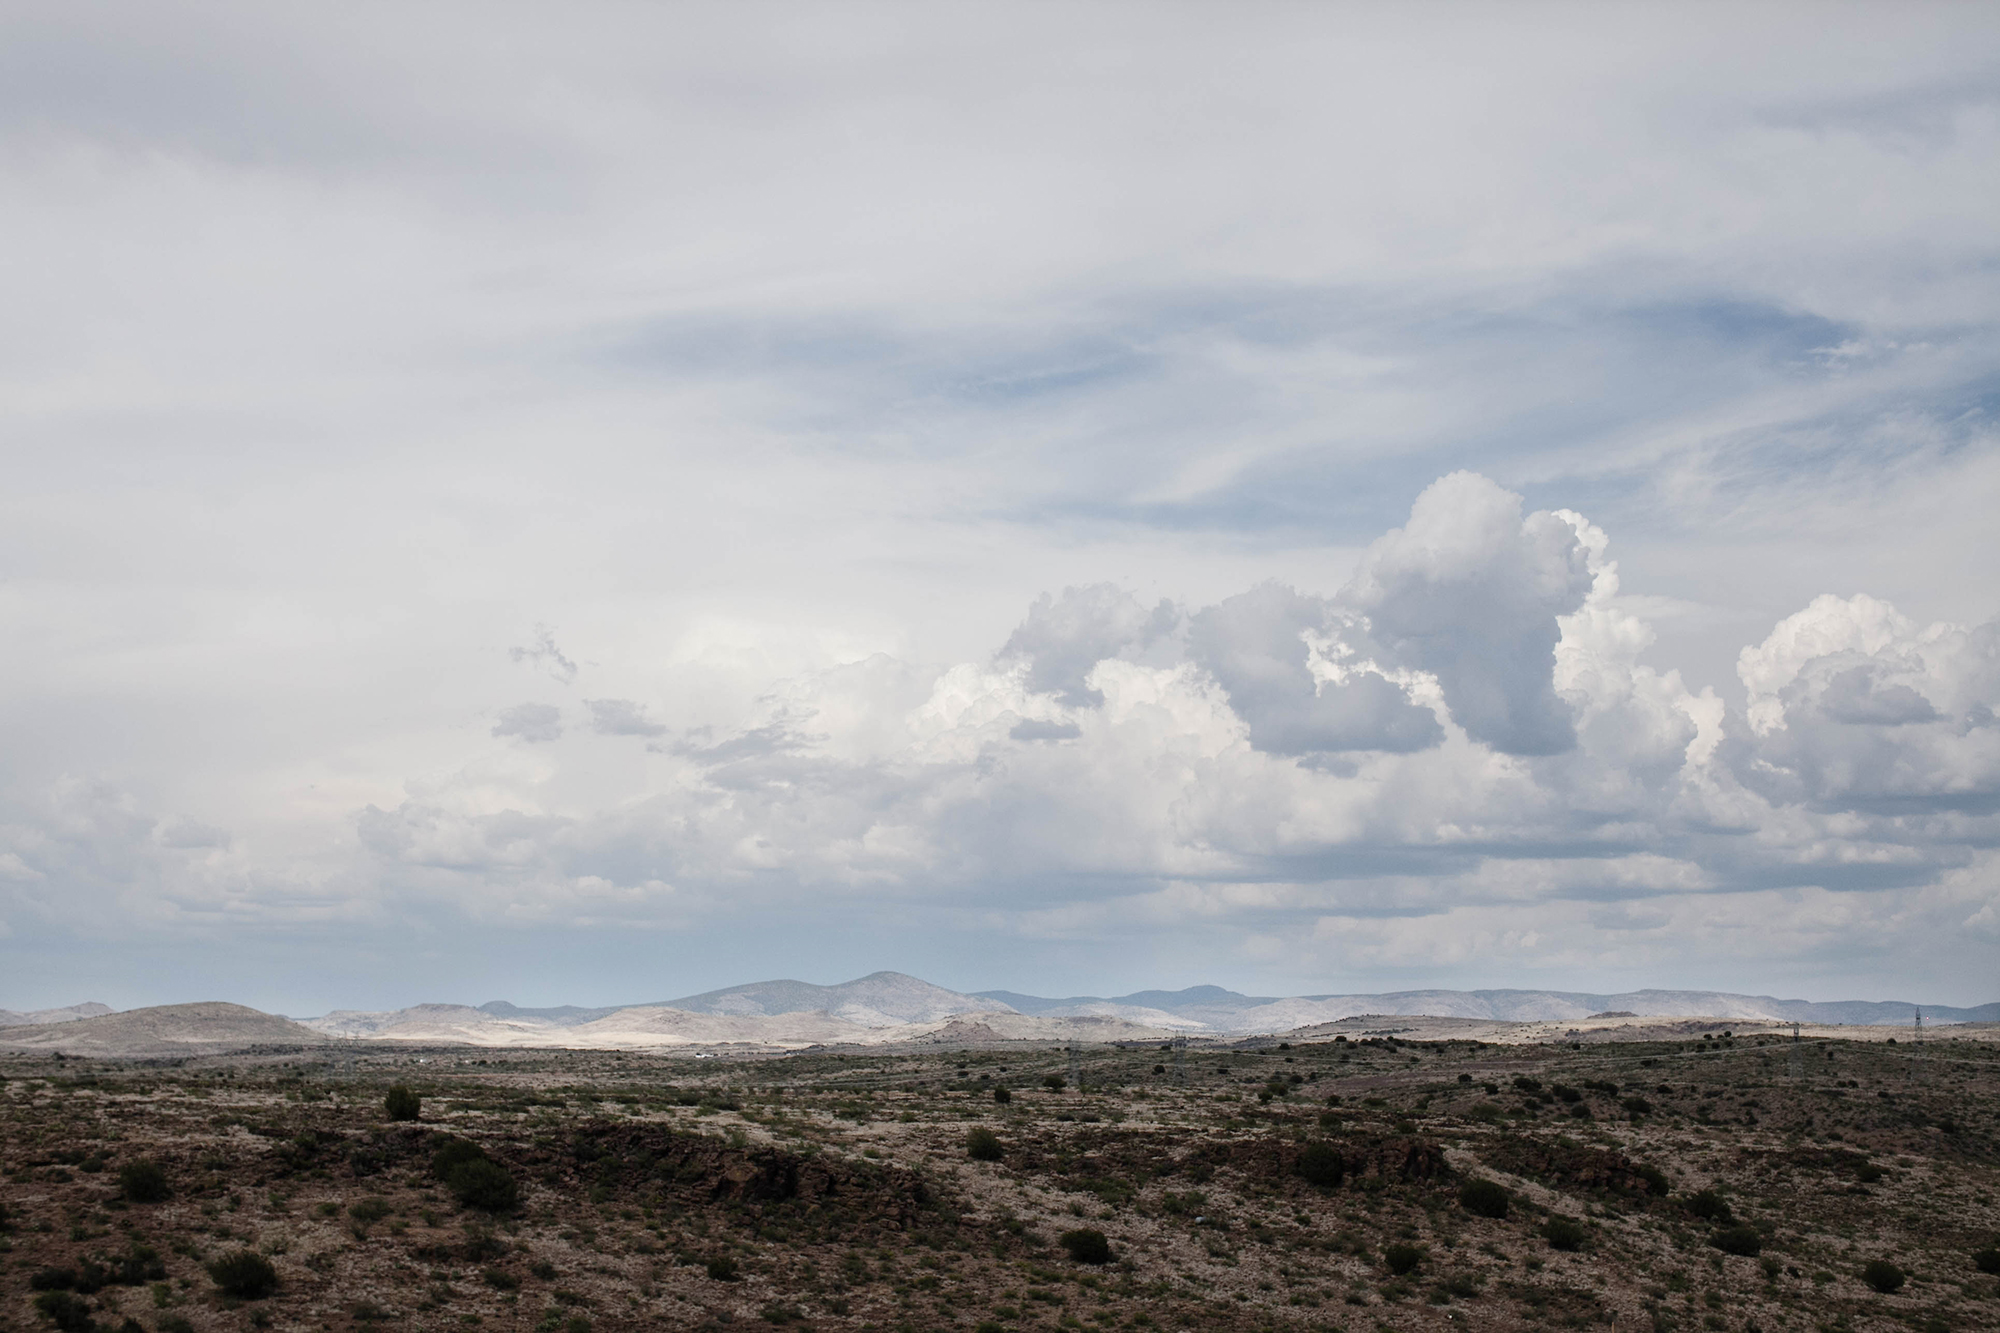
(1882, 1275)
(402, 1104)
(1087, 1245)
(1321, 1164)
(142, 1181)
(1710, 1207)
(454, 1152)
(68, 1312)
(723, 1268)
(1055, 1082)
(1402, 1260)
(139, 1265)
(500, 1279)
(1563, 1233)
(983, 1145)
(1484, 1198)
(1656, 1179)
(484, 1184)
(1987, 1260)
(1002, 1096)
(245, 1275)
(366, 1213)
(1738, 1240)
(1868, 1173)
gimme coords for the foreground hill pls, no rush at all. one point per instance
(1384, 1181)
(212, 1025)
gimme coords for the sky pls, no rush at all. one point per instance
(588, 504)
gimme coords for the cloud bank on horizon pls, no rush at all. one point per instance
(495, 495)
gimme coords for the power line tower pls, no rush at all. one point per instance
(1794, 1063)
(1918, 1039)
(1180, 1063)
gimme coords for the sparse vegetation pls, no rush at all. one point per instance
(1564, 1233)
(1321, 1164)
(1740, 1240)
(1883, 1276)
(142, 1180)
(402, 1104)
(1484, 1198)
(1087, 1245)
(1710, 1207)
(1402, 1260)
(244, 1274)
(833, 1190)
(983, 1145)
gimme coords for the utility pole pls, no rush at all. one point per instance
(1795, 1070)
(1180, 1067)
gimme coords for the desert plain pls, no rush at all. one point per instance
(1374, 1174)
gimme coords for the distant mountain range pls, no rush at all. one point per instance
(889, 1007)
(1216, 1009)
(90, 1009)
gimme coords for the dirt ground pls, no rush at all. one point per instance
(1707, 1182)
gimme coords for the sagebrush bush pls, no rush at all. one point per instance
(1087, 1245)
(1484, 1198)
(1002, 1096)
(1054, 1082)
(142, 1180)
(484, 1184)
(1882, 1275)
(1321, 1164)
(1563, 1233)
(1987, 1260)
(475, 1180)
(1402, 1260)
(68, 1312)
(722, 1268)
(1710, 1207)
(1745, 1241)
(983, 1145)
(245, 1274)
(453, 1152)
(402, 1104)
(1868, 1173)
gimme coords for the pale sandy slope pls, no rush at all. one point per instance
(659, 1026)
(165, 1028)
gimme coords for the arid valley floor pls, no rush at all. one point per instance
(1311, 1184)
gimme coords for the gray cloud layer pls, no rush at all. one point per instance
(481, 478)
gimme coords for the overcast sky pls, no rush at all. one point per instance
(589, 503)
